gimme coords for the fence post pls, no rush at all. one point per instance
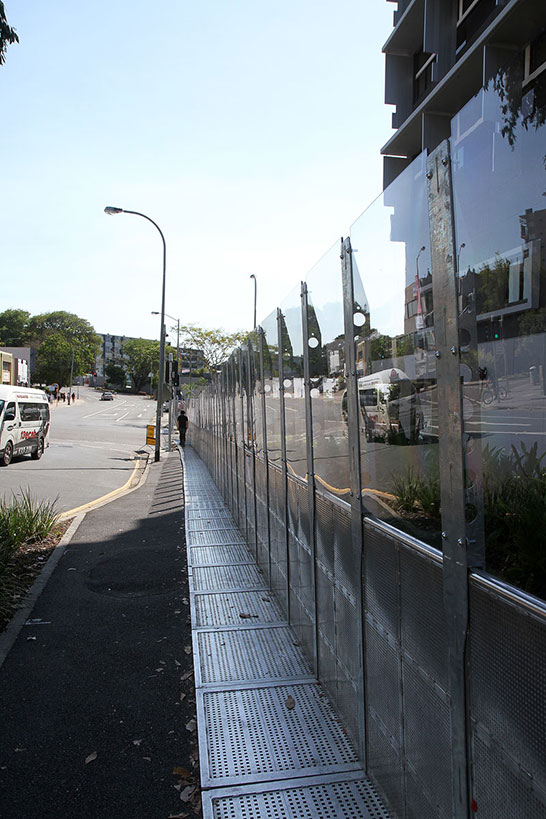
(353, 419)
(451, 460)
(284, 473)
(236, 498)
(251, 437)
(266, 456)
(310, 468)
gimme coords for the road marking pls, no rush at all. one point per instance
(122, 416)
(110, 495)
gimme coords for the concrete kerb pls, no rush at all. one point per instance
(11, 632)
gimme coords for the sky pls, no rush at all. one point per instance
(248, 131)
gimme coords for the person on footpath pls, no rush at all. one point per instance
(182, 423)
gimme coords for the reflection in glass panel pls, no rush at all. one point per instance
(257, 394)
(294, 392)
(394, 337)
(271, 387)
(327, 361)
(498, 147)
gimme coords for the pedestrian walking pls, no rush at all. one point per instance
(182, 423)
(73, 397)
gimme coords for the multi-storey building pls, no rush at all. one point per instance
(442, 52)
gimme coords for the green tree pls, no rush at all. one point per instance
(54, 360)
(215, 344)
(56, 336)
(7, 34)
(14, 328)
(115, 373)
(141, 357)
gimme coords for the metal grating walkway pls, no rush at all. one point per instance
(270, 744)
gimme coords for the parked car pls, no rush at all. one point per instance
(165, 406)
(107, 396)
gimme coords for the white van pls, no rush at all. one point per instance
(388, 407)
(24, 423)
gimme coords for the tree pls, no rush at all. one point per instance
(57, 336)
(141, 358)
(215, 344)
(115, 373)
(54, 360)
(7, 34)
(14, 328)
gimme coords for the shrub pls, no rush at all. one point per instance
(23, 521)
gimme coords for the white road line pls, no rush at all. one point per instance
(496, 424)
(122, 416)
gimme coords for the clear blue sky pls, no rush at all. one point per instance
(249, 131)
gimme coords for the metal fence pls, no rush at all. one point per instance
(379, 440)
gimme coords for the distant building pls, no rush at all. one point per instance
(18, 365)
(191, 360)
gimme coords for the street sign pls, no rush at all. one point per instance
(150, 434)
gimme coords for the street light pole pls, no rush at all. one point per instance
(161, 379)
(252, 276)
(156, 313)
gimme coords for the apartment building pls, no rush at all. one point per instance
(439, 56)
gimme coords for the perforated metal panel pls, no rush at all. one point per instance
(431, 762)
(225, 608)
(214, 537)
(195, 516)
(423, 629)
(305, 739)
(249, 654)
(508, 702)
(355, 798)
(219, 555)
(226, 577)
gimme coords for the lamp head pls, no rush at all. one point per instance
(110, 210)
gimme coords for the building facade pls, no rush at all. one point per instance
(442, 53)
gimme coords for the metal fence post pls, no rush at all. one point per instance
(283, 457)
(310, 469)
(353, 415)
(451, 459)
(236, 433)
(266, 456)
(252, 437)
(243, 439)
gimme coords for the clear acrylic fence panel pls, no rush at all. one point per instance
(498, 148)
(271, 387)
(327, 364)
(294, 392)
(395, 358)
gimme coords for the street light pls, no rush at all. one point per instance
(462, 245)
(156, 313)
(111, 211)
(252, 276)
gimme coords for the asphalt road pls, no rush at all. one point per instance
(92, 448)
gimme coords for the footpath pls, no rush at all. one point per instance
(97, 705)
